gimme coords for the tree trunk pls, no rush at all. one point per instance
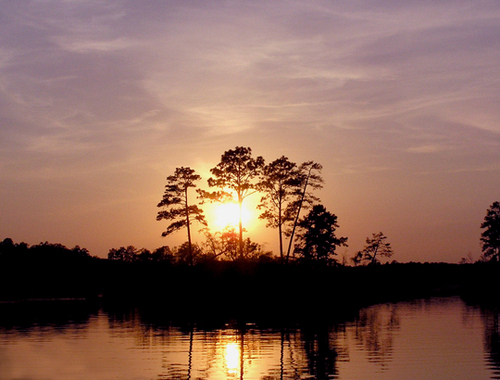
(240, 225)
(190, 248)
(297, 216)
(373, 262)
(280, 232)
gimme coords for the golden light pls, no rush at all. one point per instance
(228, 215)
(232, 357)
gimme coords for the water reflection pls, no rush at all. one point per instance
(375, 330)
(492, 339)
(439, 338)
(320, 348)
(232, 358)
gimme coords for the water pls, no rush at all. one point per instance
(441, 338)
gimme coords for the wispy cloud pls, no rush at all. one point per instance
(433, 148)
(84, 45)
(380, 90)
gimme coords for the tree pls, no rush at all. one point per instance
(144, 255)
(186, 254)
(7, 247)
(162, 254)
(234, 175)
(467, 259)
(176, 207)
(280, 183)
(308, 177)
(128, 254)
(316, 239)
(376, 246)
(226, 244)
(490, 237)
(222, 243)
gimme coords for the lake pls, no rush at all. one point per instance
(437, 338)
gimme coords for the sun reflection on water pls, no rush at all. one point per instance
(232, 357)
(383, 341)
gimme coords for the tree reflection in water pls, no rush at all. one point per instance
(319, 346)
(374, 332)
(137, 344)
(251, 353)
(492, 338)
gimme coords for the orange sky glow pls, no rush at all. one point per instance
(398, 101)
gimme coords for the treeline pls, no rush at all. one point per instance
(229, 266)
(46, 271)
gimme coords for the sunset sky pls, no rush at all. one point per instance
(398, 100)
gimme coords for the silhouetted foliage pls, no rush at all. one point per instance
(54, 271)
(316, 239)
(221, 243)
(467, 259)
(225, 244)
(234, 175)
(280, 183)
(162, 254)
(186, 255)
(309, 177)
(7, 246)
(175, 204)
(127, 254)
(375, 247)
(131, 254)
(226, 260)
(44, 270)
(11, 252)
(490, 237)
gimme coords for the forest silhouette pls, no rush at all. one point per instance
(249, 286)
(229, 270)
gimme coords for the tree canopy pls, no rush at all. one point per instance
(375, 247)
(309, 178)
(175, 203)
(235, 176)
(316, 238)
(490, 237)
(280, 184)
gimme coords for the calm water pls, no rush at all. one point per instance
(426, 339)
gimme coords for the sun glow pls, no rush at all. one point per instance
(228, 215)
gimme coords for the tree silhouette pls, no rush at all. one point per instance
(225, 244)
(176, 207)
(127, 254)
(162, 254)
(490, 237)
(316, 239)
(234, 175)
(376, 246)
(308, 178)
(186, 254)
(280, 184)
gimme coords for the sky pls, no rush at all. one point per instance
(398, 100)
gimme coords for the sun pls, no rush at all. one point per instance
(228, 215)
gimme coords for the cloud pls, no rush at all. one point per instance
(427, 149)
(85, 45)
(372, 89)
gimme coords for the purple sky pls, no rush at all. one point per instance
(398, 100)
